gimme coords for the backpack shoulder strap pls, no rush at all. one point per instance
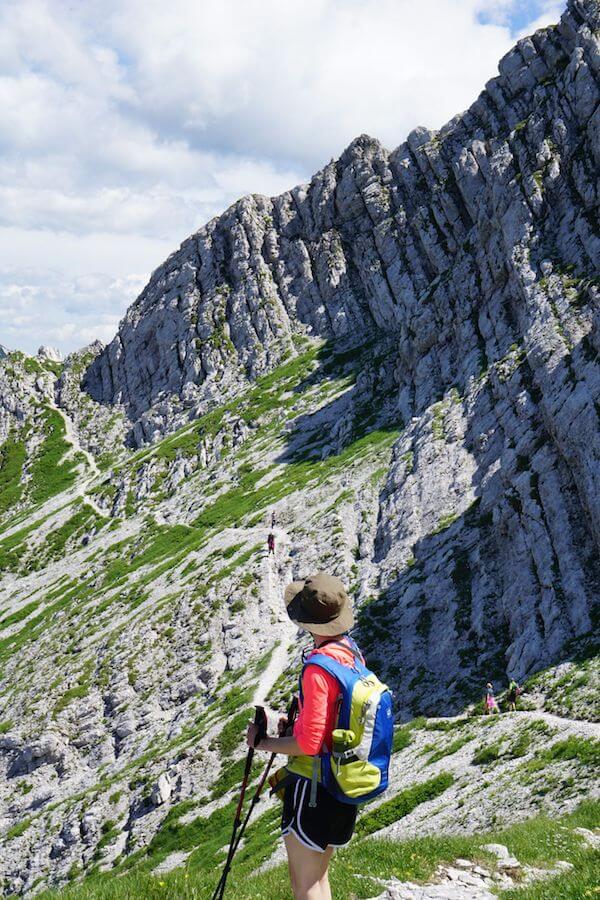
(343, 673)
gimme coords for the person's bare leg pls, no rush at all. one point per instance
(308, 870)
(325, 888)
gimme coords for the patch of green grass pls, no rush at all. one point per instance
(403, 804)
(402, 738)
(585, 750)
(449, 749)
(230, 508)
(74, 693)
(263, 663)
(445, 522)
(541, 840)
(232, 701)
(49, 474)
(438, 411)
(17, 829)
(232, 775)
(488, 754)
(19, 614)
(283, 688)
(110, 833)
(12, 460)
(6, 725)
(79, 690)
(12, 644)
(445, 724)
(520, 745)
(85, 519)
(232, 733)
(158, 543)
(264, 397)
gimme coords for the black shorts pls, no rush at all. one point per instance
(329, 824)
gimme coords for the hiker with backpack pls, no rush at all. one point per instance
(513, 692)
(271, 544)
(340, 745)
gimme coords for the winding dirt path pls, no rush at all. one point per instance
(73, 440)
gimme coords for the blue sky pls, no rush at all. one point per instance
(518, 16)
(127, 124)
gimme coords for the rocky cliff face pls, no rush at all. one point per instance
(395, 241)
(400, 361)
(476, 250)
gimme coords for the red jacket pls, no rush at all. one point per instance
(318, 710)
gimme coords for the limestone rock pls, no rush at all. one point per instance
(162, 790)
(50, 353)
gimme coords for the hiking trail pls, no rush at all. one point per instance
(587, 728)
(285, 630)
(72, 438)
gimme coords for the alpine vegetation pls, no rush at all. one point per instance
(390, 374)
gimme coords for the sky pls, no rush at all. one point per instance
(125, 125)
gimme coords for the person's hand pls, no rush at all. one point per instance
(282, 726)
(251, 734)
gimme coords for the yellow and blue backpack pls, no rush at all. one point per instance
(356, 769)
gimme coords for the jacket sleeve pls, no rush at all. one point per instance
(319, 690)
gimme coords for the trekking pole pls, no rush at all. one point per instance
(253, 802)
(260, 720)
(291, 715)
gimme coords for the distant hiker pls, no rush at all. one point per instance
(513, 692)
(331, 769)
(273, 519)
(491, 705)
(271, 543)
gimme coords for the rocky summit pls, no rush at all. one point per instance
(395, 369)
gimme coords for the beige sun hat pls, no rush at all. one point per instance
(319, 604)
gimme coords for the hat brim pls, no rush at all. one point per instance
(299, 615)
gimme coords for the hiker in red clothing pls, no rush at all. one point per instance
(319, 605)
(271, 543)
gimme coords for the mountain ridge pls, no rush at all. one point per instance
(301, 252)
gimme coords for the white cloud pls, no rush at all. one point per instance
(61, 312)
(126, 124)
(300, 79)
